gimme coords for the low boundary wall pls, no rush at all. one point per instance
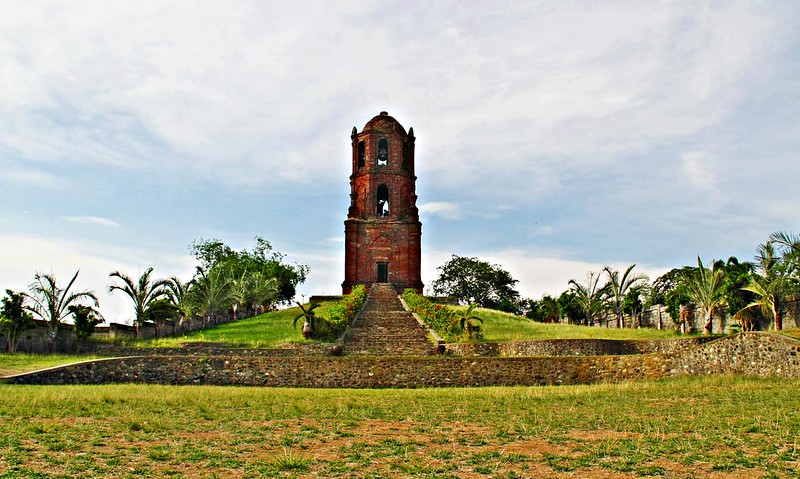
(353, 372)
(749, 354)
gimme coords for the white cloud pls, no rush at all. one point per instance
(92, 220)
(700, 169)
(447, 210)
(135, 85)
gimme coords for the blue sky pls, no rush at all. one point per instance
(553, 138)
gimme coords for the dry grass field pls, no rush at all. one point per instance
(716, 427)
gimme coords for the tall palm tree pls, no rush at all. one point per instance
(618, 288)
(773, 285)
(51, 302)
(469, 322)
(238, 293)
(178, 294)
(703, 287)
(551, 311)
(590, 296)
(262, 291)
(142, 292)
(211, 290)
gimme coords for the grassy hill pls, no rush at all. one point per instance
(499, 326)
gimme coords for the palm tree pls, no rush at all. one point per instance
(773, 286)
(618, 288)
(590, 296)
(703, 287)
(211, 291)
(239, 289)
(51, 303)
(551, 311)
(310, 319)
(468, 322)
(262, 292)
(178, 294)
(142, 292)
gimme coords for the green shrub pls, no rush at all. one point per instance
(341, 314)
(438, 317)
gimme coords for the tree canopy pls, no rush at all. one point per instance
(470, 280)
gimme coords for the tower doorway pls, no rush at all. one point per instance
(383, 272)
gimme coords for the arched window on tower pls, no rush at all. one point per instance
(383, 152)
(362, 154)
(383, 201)
(406, 155)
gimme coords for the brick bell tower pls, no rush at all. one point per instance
(382, 232)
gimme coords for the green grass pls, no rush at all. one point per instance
(268, 330)
(690, 427)
(499, 326)
(20, 363)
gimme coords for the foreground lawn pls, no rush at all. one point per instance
(499, 326)
(687, 428)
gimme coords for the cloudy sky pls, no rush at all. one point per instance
(553, 137)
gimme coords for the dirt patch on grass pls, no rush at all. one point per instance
(341, 448)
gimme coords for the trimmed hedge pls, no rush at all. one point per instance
(341, 314)
(438, 317)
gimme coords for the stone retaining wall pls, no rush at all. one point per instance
(214, 349)
(575, 347)
(748, 354)
(354, 372)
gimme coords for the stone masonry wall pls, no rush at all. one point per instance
(749, 354)
(354, 372)
(574, 347)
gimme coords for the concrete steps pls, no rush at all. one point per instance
(386, 329)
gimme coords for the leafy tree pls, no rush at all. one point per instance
(703, 287)
(619, 286)
(214, 254)
(470, 323)
(14, 319)
(84, 320)
(470, 280)
(737, 276)
(668, 289)
(590, 296)
(51, 303)
(635, 302)
(141, 292)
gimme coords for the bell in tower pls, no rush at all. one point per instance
(382, 230)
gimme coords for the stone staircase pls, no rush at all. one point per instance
(386, 329)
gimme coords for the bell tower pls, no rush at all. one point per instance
(382, 232)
